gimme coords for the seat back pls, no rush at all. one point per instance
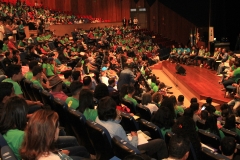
(154, 130)
(28, 87)
(144, 112)
(201, 124)
(37, 92)
(211, 155)
(78, 124)
(128, 122)
(209, 139)
(25, 93)
(6, 151)
(130, 105)
(100, 139)
(47, 98)
(2, 77)
(230, 134)
(122, 148)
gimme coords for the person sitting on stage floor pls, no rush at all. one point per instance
(192, 55)
(205, 57)
(179, 52)
(236, 101)
(185, 54)
(224, 64)
(201, 54)
(173, 53)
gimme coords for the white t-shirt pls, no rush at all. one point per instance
(104, 80)
(152, 107)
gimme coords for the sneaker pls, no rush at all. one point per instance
(219, 75)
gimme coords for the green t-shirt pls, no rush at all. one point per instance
(72, 103)
(39, 39)
(37, 82)
(152, 85)
(164, 131)
(16, 86)
(131, 99)
(90, 114)
(179, 110)
(155, 88)
(5, 48)
(236, 74)
(67, 82)
(14, 138)
(49, 69)
(29, 75)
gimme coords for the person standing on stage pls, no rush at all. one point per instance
(135, 21)
(130, 22)
(124, 21)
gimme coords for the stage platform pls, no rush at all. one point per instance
(198, 82)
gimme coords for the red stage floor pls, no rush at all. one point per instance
(198, 82)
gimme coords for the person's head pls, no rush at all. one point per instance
(173, 99)
(67, 74)
(76, 76)
(123, 90)
(168, 103)
(14, 72)
(204, 115)
(40, 134)
(10, 38)
(157, 97)
(107, 109)
(228, 146)
(230, 122)
(7, 91)
(32, 64)
(112, 82)
(194, 107)
(209, 100)
(5, 40)
(9, 55)
(146, 98)
(75, 88)
(179, 147)
(163, 118)
(211, 125)
(85, 100)
(101, 91)
(14, 114)
(180, 98)
(130, 90)
(188, 112)
(87, 81)
(193, 100)
(37, 72)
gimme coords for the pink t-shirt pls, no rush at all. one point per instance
(60, 95)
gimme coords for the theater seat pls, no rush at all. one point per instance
(201, 124)
(100, 139)
(154, 130)
(25, 93)
(130, 105)
(144, 112)
(122, 148)
(37, 92)
(6, 151)
(230, 134)
(128, 122)
(28, 87)
(207, 154)
(209, 139)
(47, 98)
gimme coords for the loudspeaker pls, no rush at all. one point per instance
(180, 69)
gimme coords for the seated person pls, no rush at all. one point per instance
(101, 91)
(204, 115)
(180, 101)
(76, 76)
(67, 77)
(185, 54)
(211, 126)
(8, 60)
(236, 101)
(7, 91)
(201, 54)
(73, 101)
(228, 148)
(129, 96)
(29, 74)
(192, 55)
(104, 79)
(111, 86)
(55, 84)
(157, 99)
(230, 124)
(38, 78)
(86, 104)
(208, 106)
(147, 102)
(173, 53)
(179, 148)
(109, 118)
(195, 109)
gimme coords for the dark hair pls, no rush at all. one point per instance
(228, 146)
(130, 89)
(163, 118)
(178, 146)
(14, 115)
(7, 54)
(36, 70)
(226, 110)
(209, 100)
(68, 73)
(230, 122)
(123, 91)
(194, 106)
(76, 75)
(111, 81)
(211, 125)
(167, 102)
(75, 87)
(193, 100)
(185, 127)
(6, 89)
(13, 69)
(173, 99)
(107, 109)
(32, 64)
(180, 98)
(146, 98)
(87, 80)
(85, 100)
(188, 112)
(204, 115)
(101, 91)
(39, 136)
